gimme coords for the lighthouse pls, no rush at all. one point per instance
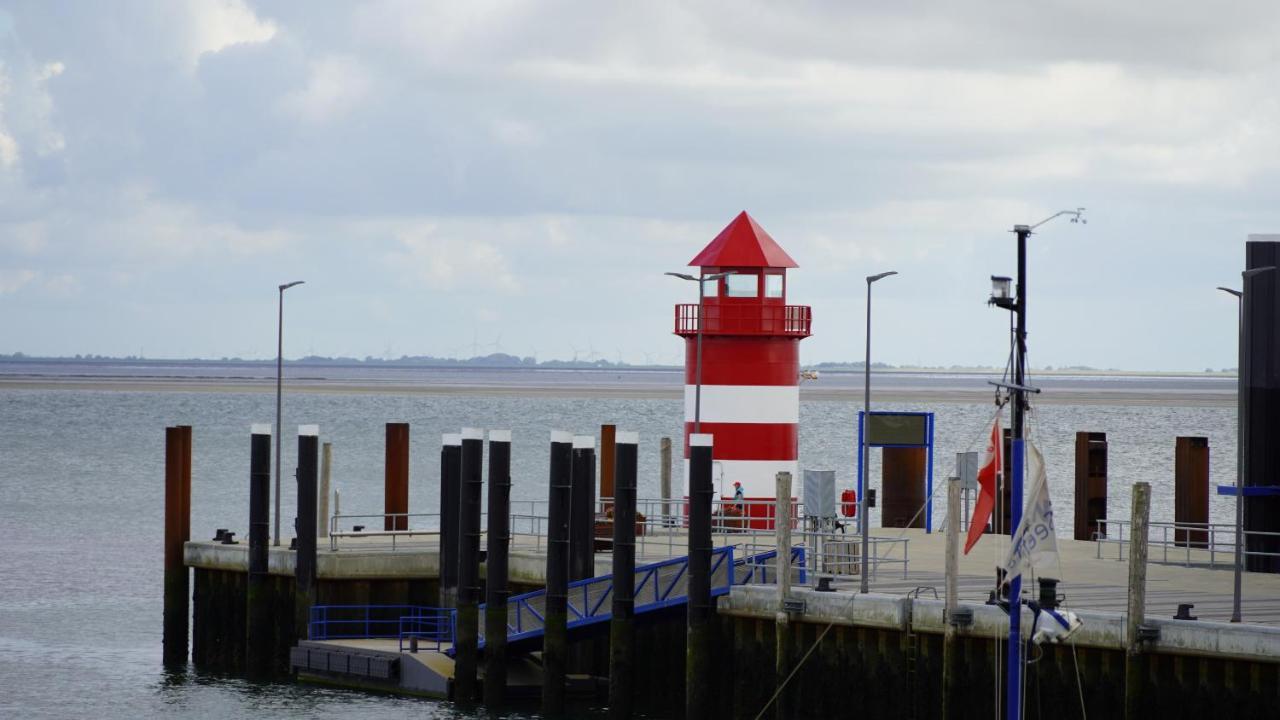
(750, 399)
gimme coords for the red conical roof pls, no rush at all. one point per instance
(743, 243)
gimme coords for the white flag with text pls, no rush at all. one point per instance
(1034, 543)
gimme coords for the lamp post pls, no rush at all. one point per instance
(1242, 439)
(1018, 389)
(697, 369)
(279, 388)
(866, 436)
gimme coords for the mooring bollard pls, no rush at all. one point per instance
(259, 640)
(1134, 666)
(177, 531)
(496, 564)
(396, 478)
(697, 666)
(622, 625)
(304, 594)
(555, 634)
(466, 647)
(450, 494)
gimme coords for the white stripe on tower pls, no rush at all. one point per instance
(753, 474)
(766, 404)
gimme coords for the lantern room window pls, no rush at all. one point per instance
(773, 286)
(742, 286)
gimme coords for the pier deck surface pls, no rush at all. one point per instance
(1087, 581)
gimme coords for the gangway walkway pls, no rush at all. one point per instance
(658, 585)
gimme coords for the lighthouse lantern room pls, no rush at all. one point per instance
(750, 363)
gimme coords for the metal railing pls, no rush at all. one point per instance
(334, 622)
(439, 628)
(745, 319)
(1174, 543)
(373, 527)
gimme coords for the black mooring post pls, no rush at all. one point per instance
(304, 593)
(259, 633)
(496, 592)
(697, 666)
(466, 644)
(555, 637)
(582, 516)
(450, 494)
(177, 530)
(622, 625)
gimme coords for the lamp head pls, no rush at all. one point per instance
(881, 276)
(1001, 292)
(286, 286)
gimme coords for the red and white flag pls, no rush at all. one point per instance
(992, 462)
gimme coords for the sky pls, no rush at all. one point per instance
(461, 178)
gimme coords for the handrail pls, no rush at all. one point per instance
(745, 319)
(1191, 544)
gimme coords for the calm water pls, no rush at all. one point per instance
(81, 509)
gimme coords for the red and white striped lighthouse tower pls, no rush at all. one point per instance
(750, 360)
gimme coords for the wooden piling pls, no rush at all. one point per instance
(1091, 484)
(697, 666)
(555, 626)
(622, 624)
(259, 632)
(496, 569)
(950, 637)
(1191, 490)
(1134, 666)
(450, 504)
(782, 631)
(304, 594)
(177, 531)
(326, 467)
(582, 515)
(466, 642)
(664, 477)
(607, 440)
(396, 484)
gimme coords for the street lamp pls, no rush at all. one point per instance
(1242, 442)
(1017, 304)
(279, 387)
(866, 434)
(697, 370)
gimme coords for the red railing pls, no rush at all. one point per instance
(786, 320)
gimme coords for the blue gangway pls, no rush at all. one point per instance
(658, 585)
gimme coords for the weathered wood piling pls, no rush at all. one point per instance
(700, 609)
(259, 633)
(177, 531)
(396, 474)
(304, 594)
(466, 644)
(555, 637)
(622, 624)
(496, 568)
(1134, 667)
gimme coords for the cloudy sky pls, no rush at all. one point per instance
(516, 176)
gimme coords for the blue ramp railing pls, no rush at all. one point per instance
(658, 585)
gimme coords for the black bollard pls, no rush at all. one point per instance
(556, 633)
(466, 644)
(697, 666)
(450, 462)
(260, 633)
(177, 531)
(496, 592)
(582, 514)
(622, 625)
(304, 594)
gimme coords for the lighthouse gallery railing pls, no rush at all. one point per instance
(793, 320)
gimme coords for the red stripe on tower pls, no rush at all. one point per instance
(750, 359)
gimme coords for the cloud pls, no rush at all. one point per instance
(11, 281)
